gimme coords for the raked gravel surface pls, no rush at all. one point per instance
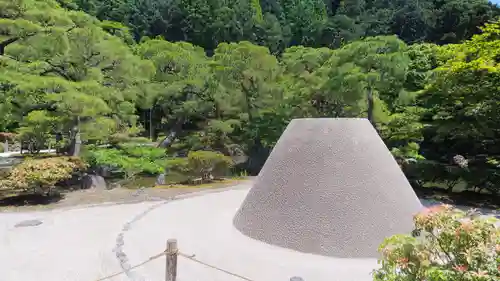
(203, 227)
(74, 244)
(85, 244)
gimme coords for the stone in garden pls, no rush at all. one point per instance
(160, 180)
(93, 181)
(28, 223)
(330, 187)
(114, 185)
(104, 171)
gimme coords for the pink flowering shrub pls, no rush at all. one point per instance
(446, 245)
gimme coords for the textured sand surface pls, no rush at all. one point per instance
(203, 226)
(72, 245)
(81, 244)
(330, 187)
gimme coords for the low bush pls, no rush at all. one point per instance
(476, 177)
(118, 139)
(151, 153)
(140, 140)
(129, 161)
(42, 174)
(204, 165)
(446, 245)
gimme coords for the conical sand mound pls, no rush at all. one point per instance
(330, 187)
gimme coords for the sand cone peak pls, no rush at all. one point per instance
(330, 187)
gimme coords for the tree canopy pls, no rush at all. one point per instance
(278, 24)
(228, 76)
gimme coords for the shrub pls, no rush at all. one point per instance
(151, 153)
(447, 245)
(134, 160)
(178, 165)
(206, 165)
(126, 136)
(139, 140)
(130, 161)
(43, 174)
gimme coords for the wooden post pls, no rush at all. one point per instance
(171, 268)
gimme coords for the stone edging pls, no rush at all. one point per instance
(120, 242)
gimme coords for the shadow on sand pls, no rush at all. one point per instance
(30, 199)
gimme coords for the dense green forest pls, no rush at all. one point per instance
(278, 24)
(228, 76)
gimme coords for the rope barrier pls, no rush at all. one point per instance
(152, 258)
(213, 266)
(190, 257)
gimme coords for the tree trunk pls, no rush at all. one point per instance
(7, 42)
(59, 138)
(248, 102)
(76, 141)
(151, 128)
(370, 106)
(169, 139)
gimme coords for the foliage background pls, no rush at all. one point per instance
(228, 76)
